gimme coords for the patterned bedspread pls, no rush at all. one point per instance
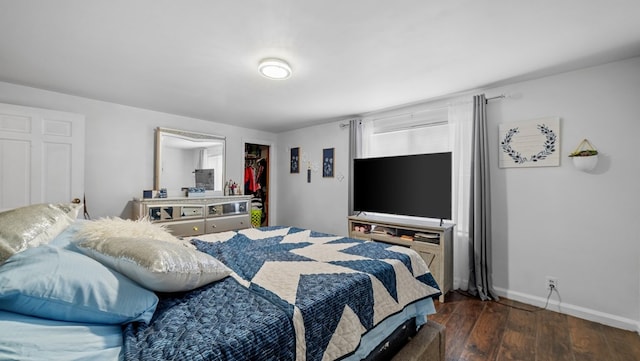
(333, 289)
(220, 321)
(294, 295)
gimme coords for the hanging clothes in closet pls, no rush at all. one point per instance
(250, 184)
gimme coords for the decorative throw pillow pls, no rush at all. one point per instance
(72, 209)
(114, 227)
(156, 265)
(59, 284)
(33, 225)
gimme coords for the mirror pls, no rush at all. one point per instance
(189, 159)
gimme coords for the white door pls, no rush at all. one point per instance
(41, 156)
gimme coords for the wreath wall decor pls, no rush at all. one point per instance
(530, 143)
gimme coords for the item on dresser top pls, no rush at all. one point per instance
(205, 178)
(195, 192)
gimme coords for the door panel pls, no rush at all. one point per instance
(15, 189)
(41, 156)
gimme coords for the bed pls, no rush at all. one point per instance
(125, 290)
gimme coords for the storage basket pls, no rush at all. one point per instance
(256, 217)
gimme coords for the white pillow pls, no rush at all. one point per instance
(156, 265)
(30, 226)
(114, 227)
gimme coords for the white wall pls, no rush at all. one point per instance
(120, 145)
(582, 228)
(322, 204)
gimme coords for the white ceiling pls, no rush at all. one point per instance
(199, 58)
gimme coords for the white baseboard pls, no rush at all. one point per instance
(573, 310)
(459, 284)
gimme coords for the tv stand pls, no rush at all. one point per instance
(432, 240)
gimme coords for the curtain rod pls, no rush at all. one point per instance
(415, 126)
(346, 125)
(435, 108)
(501, 96)
(411, 114)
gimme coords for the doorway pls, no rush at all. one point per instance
(256, 182)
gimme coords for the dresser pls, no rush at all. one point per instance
(183, 216)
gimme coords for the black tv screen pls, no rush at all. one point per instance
(411, 185)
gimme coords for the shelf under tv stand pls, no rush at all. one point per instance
(430, 239)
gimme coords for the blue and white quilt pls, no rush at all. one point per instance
(333, 289)
(222, 321)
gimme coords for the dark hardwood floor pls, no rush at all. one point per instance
(509, 330)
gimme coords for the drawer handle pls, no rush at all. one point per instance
(213, 226)
(195, 228)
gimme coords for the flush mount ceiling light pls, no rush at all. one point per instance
(273, 68)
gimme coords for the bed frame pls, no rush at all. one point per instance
(428, 344)
(405, 344)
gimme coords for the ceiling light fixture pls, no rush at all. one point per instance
(273, 68)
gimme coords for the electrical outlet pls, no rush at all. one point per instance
(552, 283)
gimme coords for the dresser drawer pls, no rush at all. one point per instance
(230, 223)
(186, 228)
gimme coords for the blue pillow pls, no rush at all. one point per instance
(59, 284)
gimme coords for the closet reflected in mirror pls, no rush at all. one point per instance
(185, 159)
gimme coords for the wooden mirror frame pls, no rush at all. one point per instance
(188, 135)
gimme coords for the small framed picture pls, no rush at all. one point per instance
(327, 162)
(295, 160)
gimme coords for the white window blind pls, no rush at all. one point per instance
(416, 133)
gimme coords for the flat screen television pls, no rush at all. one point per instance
(410, 185)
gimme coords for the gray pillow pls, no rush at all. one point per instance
(30, 226)
(156, 265)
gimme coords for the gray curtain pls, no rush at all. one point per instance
(480, 281)
(355, 151)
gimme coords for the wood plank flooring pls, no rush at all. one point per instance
(512, 331)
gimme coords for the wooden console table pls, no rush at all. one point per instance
(432, 241)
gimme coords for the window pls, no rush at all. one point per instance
(415, 133)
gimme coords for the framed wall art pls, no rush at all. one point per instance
(530, 143)
(327, 162)
(295, 160)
